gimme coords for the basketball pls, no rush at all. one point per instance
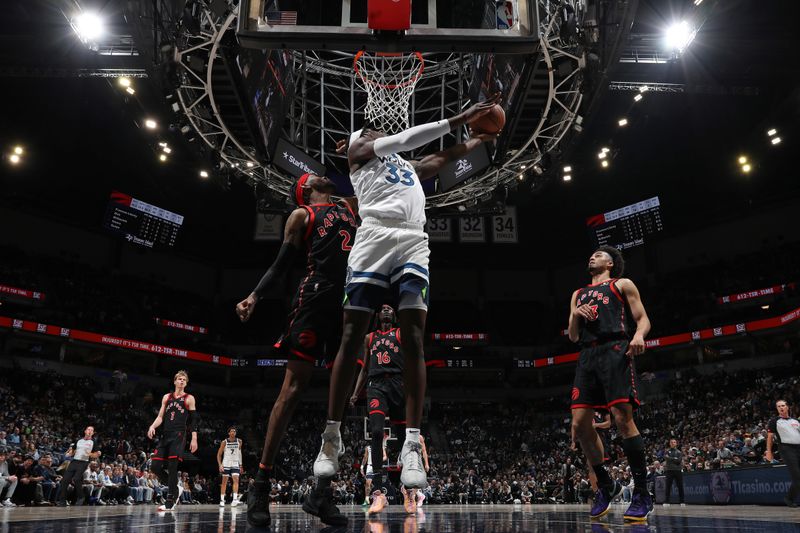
(491, 122)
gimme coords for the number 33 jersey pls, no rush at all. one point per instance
(389, 188)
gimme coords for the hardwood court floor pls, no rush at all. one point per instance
(433, 519)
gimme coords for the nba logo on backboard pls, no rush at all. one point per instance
(505, 15)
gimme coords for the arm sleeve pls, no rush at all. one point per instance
(193, 421)
(279, 267)
(411, 138)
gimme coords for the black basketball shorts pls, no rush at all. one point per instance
(315, 323)
(605, 377)
(386, 396)
(170, 446)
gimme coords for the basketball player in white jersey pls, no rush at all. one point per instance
(229, 459)
(390, 258)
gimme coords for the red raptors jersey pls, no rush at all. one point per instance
(329, 237)
(608, 305)
(383, 348)
(176, 413)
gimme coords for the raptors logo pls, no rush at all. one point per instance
(575, 393)
(374, 403)
(307, 339)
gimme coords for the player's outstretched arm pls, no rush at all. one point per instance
(362, 376)
(293, 235)
(429, 166)
(151, 432)
(371, 144)
(631, 293)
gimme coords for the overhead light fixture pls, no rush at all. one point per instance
(776, 140)
(88, 26)
(150, 124)
(162, 144)
(250, 164)
(742, 159)
(167, 150)
(130, 90)
(163, 157)
(771, 132)
(698, 2)
(567, 168)
(538, 170)
(567, 177)
(18, 150)
(601, 155)
(456, 347)
(644, 88)
(765, 307)
(746, 168)
(605, 149)
(604, 164)
(14, 158)
(637, 97)
(521, 177)
(124, 82)
(203, 174)
(679, 36)
(522, 167)
(623, 122)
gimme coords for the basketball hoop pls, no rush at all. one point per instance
(389, 80)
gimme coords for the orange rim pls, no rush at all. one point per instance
(411, 81)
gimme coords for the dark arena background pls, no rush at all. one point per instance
(151, 151)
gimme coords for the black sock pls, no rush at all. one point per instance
(603, 479)
(262, 476)
(377, 481)
(634, 451)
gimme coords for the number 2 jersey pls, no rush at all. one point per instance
(389, 188)
(386, 356)
(329, 237)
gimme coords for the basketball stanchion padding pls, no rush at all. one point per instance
(389, 15)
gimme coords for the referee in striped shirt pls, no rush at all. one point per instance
(786, 430)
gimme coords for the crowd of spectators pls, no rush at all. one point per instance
(479, 453)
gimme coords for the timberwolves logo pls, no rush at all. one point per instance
(721, 487)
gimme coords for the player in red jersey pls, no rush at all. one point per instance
(178, 413)
(325, 230)
(605, 378)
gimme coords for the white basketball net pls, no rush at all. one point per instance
(389, 81)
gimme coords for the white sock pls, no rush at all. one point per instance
(412, 435)
(331, 426)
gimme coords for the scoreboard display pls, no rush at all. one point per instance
(141, 223)
(627, 226)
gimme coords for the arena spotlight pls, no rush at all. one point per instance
(604, 163)
(679, 36)
(771, 132)
(698, 2)
(637, 97)
(18, 150)
(567, 177)
(88, 26)
(14, 159)
(746, 168)
(776, 140)
(765, 307)
(130, 90)
(150, 124)
(203, 174)
(167, 150)
(742, 159)
(622, 122)
(124, 82)
(250, 164)
(567, 169)
(162, 157)
(601, 155)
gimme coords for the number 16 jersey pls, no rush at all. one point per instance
(386, 356)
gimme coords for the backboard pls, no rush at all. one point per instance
(435, 26)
